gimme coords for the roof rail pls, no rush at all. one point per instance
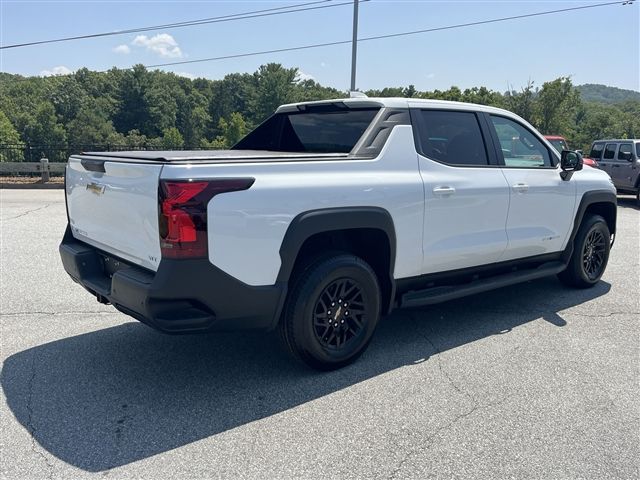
(354, 94)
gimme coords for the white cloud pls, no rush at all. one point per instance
(188, 75)
(431, 75)
(122, 49)
(304, 76)
(323, 64)
(60, 70)
(163, 44)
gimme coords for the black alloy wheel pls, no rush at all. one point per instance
(593, 254)
(338, 316)
(590, 253)
(332, 311)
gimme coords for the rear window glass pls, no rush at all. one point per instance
(596, 151)
(320, 130)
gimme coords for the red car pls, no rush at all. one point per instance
(559, 143)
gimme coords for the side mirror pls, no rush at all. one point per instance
(570, 162)
(625, 156)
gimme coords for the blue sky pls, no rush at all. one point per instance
(597, 45)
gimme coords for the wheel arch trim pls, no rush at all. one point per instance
(588, 199)
(313, 222)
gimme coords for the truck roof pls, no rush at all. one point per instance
(396, 102)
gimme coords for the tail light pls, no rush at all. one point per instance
(183, 213)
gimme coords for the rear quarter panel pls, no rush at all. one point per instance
(246, 229)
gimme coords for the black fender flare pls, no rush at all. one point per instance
(589, 198)
(313, 222)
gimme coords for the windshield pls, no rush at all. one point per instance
(559, 145)
(318, 129)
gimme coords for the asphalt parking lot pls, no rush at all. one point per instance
(531, 381)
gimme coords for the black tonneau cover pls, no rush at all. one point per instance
(208, 156)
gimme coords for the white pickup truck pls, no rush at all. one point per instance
(329, 215)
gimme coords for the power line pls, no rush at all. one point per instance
(189, 23)
(391, 35)
(379, 37)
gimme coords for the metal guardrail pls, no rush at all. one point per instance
(44, 167)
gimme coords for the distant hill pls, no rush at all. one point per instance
(591, 92)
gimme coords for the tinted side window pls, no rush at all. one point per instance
(452, 137)
(638, 150)
(596, 151)
(624, 148)
(610, 151)
(520, 147)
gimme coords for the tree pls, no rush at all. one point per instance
(90, 127)
(234, 93)
(521, 103)
(132, 109)
(409, 92)
(556, 105)
(9, 136)
(275, 85)
(172, 139)
(43, 128)
(232, 131)
(192, 117)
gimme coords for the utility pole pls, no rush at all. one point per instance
(354, 45)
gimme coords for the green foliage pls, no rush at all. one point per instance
(274, 85)
(556, 105)
(139, 108)
(91, 127)
(172, 139)
(232, 131)
(8, 136)
(521, 103)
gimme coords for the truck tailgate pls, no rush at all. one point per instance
(114, 207)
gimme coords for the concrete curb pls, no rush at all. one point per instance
(32, 186)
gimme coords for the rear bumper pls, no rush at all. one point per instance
(183, 296)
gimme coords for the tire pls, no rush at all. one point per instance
(590, 254)
(638, 198)
(317, 330)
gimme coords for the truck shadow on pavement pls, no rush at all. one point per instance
(118, 395)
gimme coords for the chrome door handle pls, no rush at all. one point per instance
(521, 187)
(443, 191)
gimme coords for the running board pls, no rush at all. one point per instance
(430, 296)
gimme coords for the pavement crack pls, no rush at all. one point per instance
(444, 372)
(28, 212)
(602, 315)
(476, 406)
(447, 426)
(30, 425)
